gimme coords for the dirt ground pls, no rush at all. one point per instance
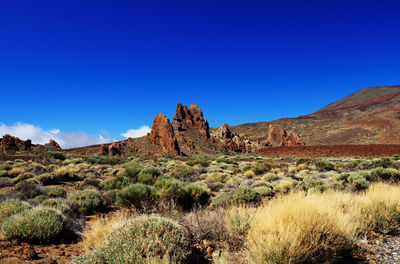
(332, 151)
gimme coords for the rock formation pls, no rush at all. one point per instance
(233, 142)
(277, 136)
(114, 149)
(185, 119)
(10, 143)
(52, 145)
(162, 134)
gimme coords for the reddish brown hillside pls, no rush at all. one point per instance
(370, 116)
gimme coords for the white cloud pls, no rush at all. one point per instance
(134, 133)
(39, 136)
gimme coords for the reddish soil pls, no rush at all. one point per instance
(332, 151)
(28, 253)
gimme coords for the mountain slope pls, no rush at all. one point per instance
(369, 116)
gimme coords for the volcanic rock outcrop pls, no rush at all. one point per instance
(185, 119)
(114, 149)
(10, 143)
(231, 141)
(52, 145)
(162, 134)
(277, 136)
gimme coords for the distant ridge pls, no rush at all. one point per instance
(369, 116)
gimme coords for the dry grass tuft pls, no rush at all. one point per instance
(95, 234)
(300, 228)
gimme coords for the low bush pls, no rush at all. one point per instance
(195, 195)
(182, 171)
(381, 173)
(170, 189)
(138, 195)
(148, 175)
(222, 199)
(244, 194)
(261, 167)
(104, 160)
(201, 162)
(127, 177)
(56, 155)
(238, 220)
(86, 202)
(36, 225)
(316, 185)
(226, 160)
(11, 207)
(55, 204)
(23, 176)
(40, 198)
(48, 178)
(56, 192)
(143, 240)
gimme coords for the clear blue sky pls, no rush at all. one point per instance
(113, 65)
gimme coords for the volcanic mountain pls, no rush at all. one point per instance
(369, 116)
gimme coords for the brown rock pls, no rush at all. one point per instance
(224, 132)
(52, 145)
(114, 149)
(185, 119)
(162, 134)
(10, 143)
(198, 120)
(277, 136)
(103, 150)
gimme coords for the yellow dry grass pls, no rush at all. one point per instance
(95, 234)
(14, 172)
(299, 228)
(320, 227)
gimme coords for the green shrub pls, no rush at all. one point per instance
(323, 165)
(48, 179)
(148, 175)
(56, 192)
(201, 162)
(36, 225)
(56, 204)
(129, 176)
(11, 207)
(264, 191)
(261, 167)
(54, 155)
(23, 176)
(40, 198)
(307, 161)
(5, 167)
(222, 199)
(104, 160)
(195, 195)
(316, 185)
(226, 160)
(182, 171)
(136, 194)
(86, 202)
(384, 174)
(170, 189)
(143, 240)
(358, 181)
(244, 194)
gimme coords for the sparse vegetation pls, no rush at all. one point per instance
(248, 210)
